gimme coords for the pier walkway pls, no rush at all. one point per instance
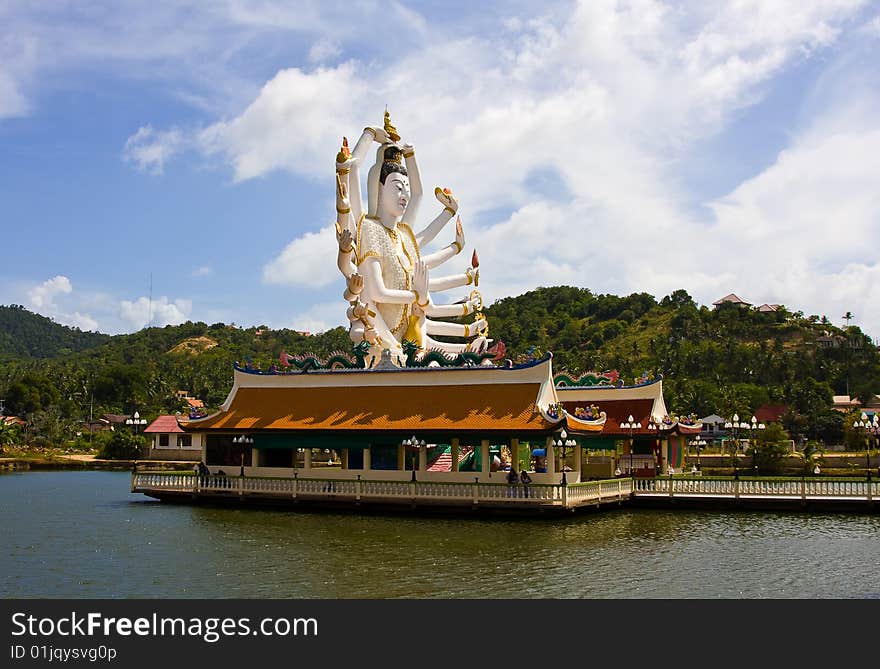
(812, 493)
(185, 487)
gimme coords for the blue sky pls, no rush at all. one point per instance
(621, 146)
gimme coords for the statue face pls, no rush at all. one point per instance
(394, 194)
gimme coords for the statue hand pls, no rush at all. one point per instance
(407, 149)
(420, 281)
(355, 283)
(459, 234)
(344, 239)
(479, 325)
(342, 166)
(341, 193)
(380, 135)
(446, 198)
(479, 344)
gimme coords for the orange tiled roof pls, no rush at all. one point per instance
(448, 407)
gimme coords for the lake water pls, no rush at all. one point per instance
(84, 535)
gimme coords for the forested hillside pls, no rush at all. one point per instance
(712, 360)
(26, 334)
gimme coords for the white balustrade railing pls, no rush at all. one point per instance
(803, 488)
(573, 495)
(542, 494)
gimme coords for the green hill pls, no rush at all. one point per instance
(29, 335)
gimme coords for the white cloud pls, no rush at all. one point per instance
(143, 312)
(308, 261)
(150, 149)
(43, 296)
(83, 322)
(324, 49)
(803, 228)
(320, 317)
(290, 124)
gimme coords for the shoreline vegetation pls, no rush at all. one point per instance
(21, 458)
(838, 464)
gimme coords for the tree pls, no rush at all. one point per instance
(123, 445)
(10, 434)
(770, 449)
(49, 427)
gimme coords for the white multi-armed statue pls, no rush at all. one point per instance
(383, 260)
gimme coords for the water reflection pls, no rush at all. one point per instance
(82, 534)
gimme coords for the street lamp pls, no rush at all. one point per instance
(564, 443)
(631, 425)
(733, 426)
(870, 429)
(414, 444)
(699, 443)
(136, 422)
(754, 428)
(242, 440)
(654, 426)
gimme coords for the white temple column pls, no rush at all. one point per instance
(345, 458)
(514, 454)
(484, 456)
(307, 458)
(455, 449)
(423, 459)
(551, 456)
(401, 457)
(366, 459)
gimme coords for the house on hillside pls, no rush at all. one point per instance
(733, 299)
(113, 420)
(13, 420)
(769, 308)
(830, 341)
(169, 442)
(845, 403)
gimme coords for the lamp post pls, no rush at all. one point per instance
(414, 444)
(136, 422)
(564, 443)
(631, 426)
(734, 426)
(699, 443)
(242, 441)
(654, 426)
(754, 428)
(870, 429)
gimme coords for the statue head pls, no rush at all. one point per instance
(387, 183)
(394, 193)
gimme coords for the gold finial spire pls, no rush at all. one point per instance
(390, 129)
